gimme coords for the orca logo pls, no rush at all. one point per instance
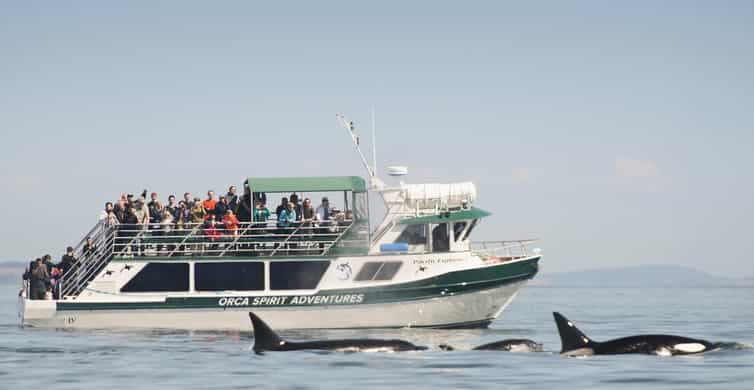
(344, 271)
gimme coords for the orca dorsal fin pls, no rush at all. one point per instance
(265, 339)
(571, 338)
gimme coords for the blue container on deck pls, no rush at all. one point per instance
(394, 247)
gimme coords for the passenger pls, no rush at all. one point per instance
(211, 229)
(112, 218)
(221, 207)
(152, 200)
(307, 213)
(336, 219)
(141, 213)
(231, 223)
(187, 200)
(172, 207)
(68, 261)
(104, 214)
(55, 281)
(130, 200)
(287, 217)
(210, 202)
(198, 213)
(166, 222)
(121, 210)
(40, 278)
(244, 210)
(131, 220)
(155, 214)
(232, 198)
(296, 206)
(259, 197)
(324, 211)
(183, 215)
(27, 271)
(261, 215)
(283, 204)
(89, 247)
(47, 260)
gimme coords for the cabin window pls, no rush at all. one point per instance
(458, 230)
(440, 239)
(160, 277)
(240, 276)
(473, 225)
(413, 235)
(377, 270)
(296, 275)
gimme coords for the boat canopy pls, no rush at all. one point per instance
(307, 184)
(451, 216)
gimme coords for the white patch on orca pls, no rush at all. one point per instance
(365, 350)
(521, 348)
(690, 347)
(570, 324)
(663, 351)
(586, 340)
(579, 352)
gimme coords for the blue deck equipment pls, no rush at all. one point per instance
(394, 247)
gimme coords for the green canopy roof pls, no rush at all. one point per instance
(307, 184)
(460, 215)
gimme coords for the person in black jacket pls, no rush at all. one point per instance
(244, 209)
(68, 261)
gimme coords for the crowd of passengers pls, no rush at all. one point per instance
(217, 217)
(42, 280)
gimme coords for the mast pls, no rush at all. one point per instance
(351, 128)
(374, 143)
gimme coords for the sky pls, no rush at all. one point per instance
(620, 133)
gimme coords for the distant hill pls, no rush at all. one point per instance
(12, 270)
(639, 276)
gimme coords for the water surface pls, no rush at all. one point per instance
(36, 358)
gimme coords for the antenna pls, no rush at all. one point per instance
(374, 143)
(351, 128)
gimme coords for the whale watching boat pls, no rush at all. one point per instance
(417, 268)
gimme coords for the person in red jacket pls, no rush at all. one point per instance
(231, 223)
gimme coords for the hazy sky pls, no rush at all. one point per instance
(619, 133)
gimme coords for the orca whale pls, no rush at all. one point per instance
(511, 345)
(265, 339)
(576, 343)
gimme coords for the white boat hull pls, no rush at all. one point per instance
(462, 310)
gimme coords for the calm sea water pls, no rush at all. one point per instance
(33, 358)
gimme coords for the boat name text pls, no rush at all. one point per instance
(301, 300)
(437, 261)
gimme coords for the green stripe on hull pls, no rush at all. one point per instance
(452, 283)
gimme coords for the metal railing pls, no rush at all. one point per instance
(503, 250)
(252, 239)
(198, 239)
(90, 260)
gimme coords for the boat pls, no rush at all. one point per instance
(417, 267)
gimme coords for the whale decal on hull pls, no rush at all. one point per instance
(576, 343)
(265, 339)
